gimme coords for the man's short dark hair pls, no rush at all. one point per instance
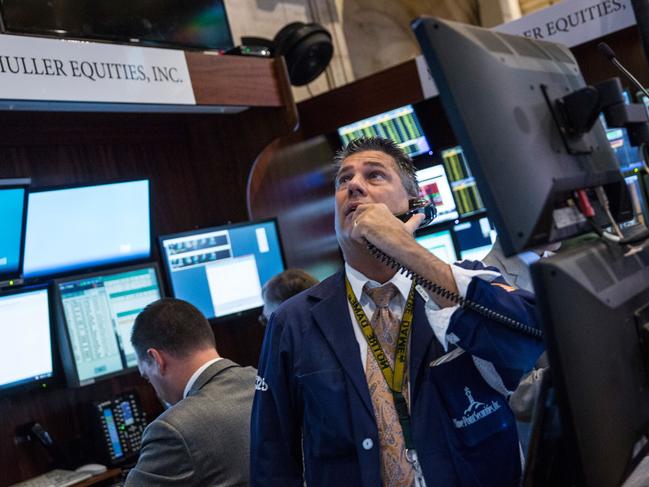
(286, 284)
(172, 325)
(403, 162)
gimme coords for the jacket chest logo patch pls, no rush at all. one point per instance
(476, 411)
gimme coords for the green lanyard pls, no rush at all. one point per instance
(394, 379)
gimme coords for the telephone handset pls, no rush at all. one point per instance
(418, 205)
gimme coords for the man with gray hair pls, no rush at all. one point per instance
(367, 379)
(203, 438)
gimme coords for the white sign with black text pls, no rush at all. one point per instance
(34, 68)
(573, 22)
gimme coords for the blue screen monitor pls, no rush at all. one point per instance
(401, 125)
(434, 186)
(475, 238)
(440, 244)
(87, 227)
(628, 157)
(221, 270)
(97, 312)
(25, 338)
(13, 210)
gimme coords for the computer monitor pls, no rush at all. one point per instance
(221, 270)
(85, 227)
(475, 238)
(401, 125)
(593, 299)
(96, 316)
(526, 167)
(435, 187)
(190, 23)
(593, 302)
(465, 189)
(628, 157)
(25, 339)
(440, 244)
(13, 211)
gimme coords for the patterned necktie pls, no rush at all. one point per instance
(396, 471)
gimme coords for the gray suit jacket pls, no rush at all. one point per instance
(204, 439)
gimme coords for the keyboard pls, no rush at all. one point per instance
(55, 478)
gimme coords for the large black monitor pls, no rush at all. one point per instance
(13, 211)
(96, 314)
(593, 302)
(190, 23)
(221, 270)
(25, 339)
(400, 125)
(86, 227)
(499, 92)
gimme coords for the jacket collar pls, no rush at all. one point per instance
(209, 373)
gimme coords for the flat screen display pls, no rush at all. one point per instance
(465, 189)
(475, 238)
(25, 338)
(400, 125)
(221, 270)
(13, 206)
(440, 244)
(435, 187)
(86, 227)
(190, 23)
(98, 312)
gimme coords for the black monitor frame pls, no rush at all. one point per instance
(63, 334)
(47, 382)
(143, 41)
(227, 226)
(94, 268)
(6, 278)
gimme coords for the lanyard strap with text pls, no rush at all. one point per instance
(395, 378)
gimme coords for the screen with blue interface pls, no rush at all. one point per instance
(98, 312)
(434, 186)
(440, 244)
(25, 345)
(400, 125)
(628, 157)
(91, 226)
(12, 219)
(465, 189)
(475, 238)
(221, 270)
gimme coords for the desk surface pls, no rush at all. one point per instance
(111, 473)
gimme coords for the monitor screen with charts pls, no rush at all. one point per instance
(25, 338)
(465, 189)
(87, 227)
(221, 270)
(97, 314)
(13, 207)
(400, 125)
(475, 238)
(440, 244)
(435, 187)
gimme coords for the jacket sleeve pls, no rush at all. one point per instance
(164, 458)
(511, 352)
(276, 438)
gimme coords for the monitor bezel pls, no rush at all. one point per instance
(107, 39)
(46, 382)
(227, 226)
(91, 267)
(17, 183)
(65, 343)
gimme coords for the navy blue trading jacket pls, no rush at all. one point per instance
(312, 415)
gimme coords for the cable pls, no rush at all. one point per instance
(603, 200)
(451, 296)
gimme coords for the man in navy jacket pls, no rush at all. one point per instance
(313, 418)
